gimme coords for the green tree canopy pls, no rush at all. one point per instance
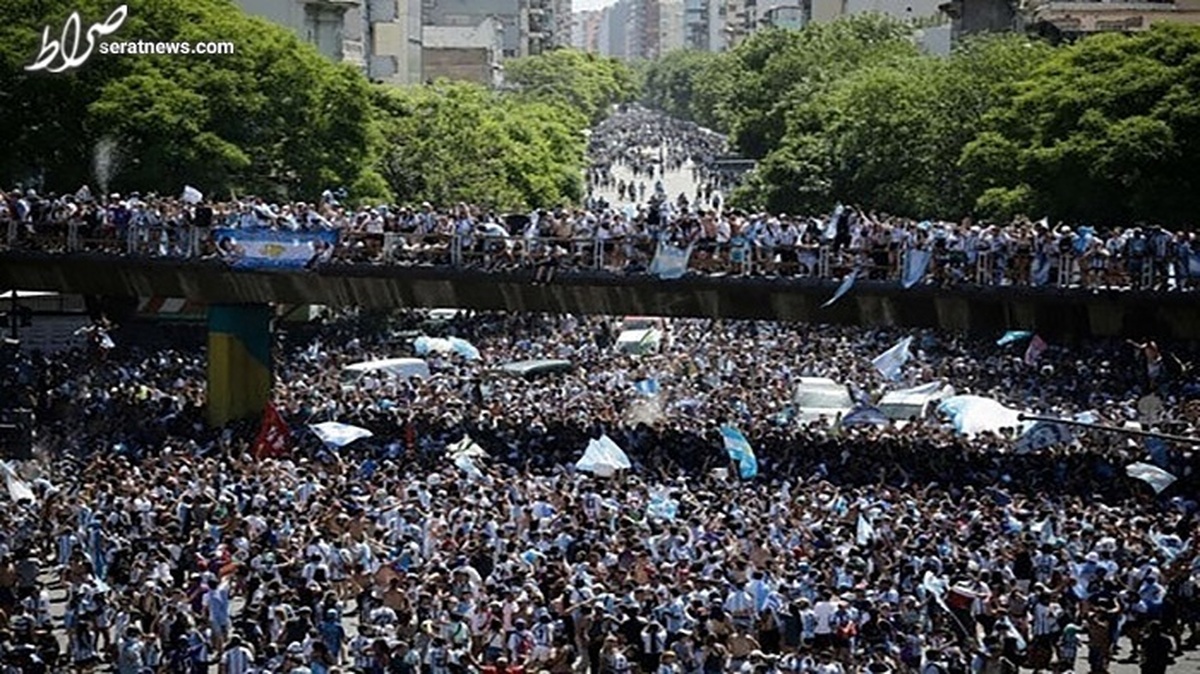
(274, 118)
(1106, 130)
(453, 142)
(574, 80)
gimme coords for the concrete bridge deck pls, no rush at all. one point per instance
(1062, 313)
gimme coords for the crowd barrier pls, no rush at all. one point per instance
(633, 255)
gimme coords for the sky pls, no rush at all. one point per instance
(586, 5)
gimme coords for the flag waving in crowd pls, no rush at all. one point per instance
(274, 437)
(738, 448)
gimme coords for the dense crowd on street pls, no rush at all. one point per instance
(154, 543)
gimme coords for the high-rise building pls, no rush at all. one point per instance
(382, 37)
(704, 24)
(587, 31)
(641, 29)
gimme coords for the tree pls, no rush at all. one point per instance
(274, 118)
(573, 79)
(671, 81)
(1106, 130)
(453, 142)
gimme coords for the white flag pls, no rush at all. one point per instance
(847, 283)
(890, 362)
(337, 434)
(191, 195)
(18, 489)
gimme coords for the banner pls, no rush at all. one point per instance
(1154, 476)
(890, 362)
(847, 283)
(269, 249)
(337, 434)
(274, 436)
(670, 262)
(916, 263)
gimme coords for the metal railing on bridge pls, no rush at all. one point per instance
(634, 254)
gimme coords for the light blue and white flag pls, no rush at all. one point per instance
(336, 434)
(1013, 336)
(647, 387)
(847, 284)
(891, 362)
(864, 531)
(464, 348)
(1041, 270)
(829, 232)
(266, 249)
(1152, 475)
(467, 465)
(662, 506)
(738, 448)
(916, 263)
(1194, 264)
(670, 262)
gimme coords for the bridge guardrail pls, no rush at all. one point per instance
(634, 254)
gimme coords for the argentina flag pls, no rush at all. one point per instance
(647, 387)
(738, 448)
(670, 262)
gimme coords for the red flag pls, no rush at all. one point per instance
(274, 437)
(1037, 346)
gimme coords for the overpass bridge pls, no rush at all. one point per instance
(239, 301)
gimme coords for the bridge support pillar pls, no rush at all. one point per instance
(239, 361)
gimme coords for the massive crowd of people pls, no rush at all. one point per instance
(622, 237)
(153, 543)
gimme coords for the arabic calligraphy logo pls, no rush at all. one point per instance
(72, 33)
